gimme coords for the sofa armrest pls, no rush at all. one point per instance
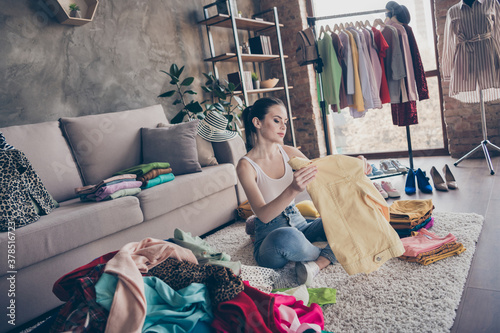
(230, 152)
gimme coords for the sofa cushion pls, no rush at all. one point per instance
(206, 155)
(174, 144)
(50, 155)
(186, 189)
(106, 143)
(73, 224)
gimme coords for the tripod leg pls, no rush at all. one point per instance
(468, 154)
(492, 145)
(487, 155)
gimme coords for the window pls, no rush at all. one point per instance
(375, 132)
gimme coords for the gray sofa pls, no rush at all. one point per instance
(79, 151)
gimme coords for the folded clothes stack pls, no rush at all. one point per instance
(407, 216)
(151, 174)
(425, 248)
(110, 188)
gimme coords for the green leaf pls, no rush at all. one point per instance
(168, 93)
(174, 80)
(219, 107)
(190, 92)
(200, 116)
(180, 71)
(179, 117)
(174, 70)
(225, 103)
(206, 89)
(194, 107)
(167, 73)
(220, 94)
(209, 107)
(177, 101)
(238, 100)
(187, 81)
(231, 87)
(229, 117)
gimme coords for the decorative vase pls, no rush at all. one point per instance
(75, 13)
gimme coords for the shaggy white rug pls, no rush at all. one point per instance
(399, 297)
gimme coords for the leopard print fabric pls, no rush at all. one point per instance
(221, 283)
(19, 183)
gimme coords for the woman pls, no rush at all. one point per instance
(281, 233)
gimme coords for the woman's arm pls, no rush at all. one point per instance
(267, 212)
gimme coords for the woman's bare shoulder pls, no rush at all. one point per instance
(293, 152)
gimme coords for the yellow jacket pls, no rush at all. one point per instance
(355, 215)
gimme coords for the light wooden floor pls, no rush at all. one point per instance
(479, 192)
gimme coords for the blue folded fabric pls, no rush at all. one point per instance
(166, 177)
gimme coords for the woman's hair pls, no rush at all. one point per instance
(259, 109)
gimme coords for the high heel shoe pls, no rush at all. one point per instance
(439, 183)
(450, 180)
(410, 187)
(423, 181)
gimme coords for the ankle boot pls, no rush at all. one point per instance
(450, 180)
(439, 183)
(423, 181)
(410, 187)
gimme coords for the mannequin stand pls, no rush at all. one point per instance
(484, 144)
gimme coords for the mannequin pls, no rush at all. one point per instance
(471, 55)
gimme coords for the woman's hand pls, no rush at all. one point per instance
(302, 177)
(366, 166)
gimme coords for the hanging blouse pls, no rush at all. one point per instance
(358, 103)
(376, 69)
(382, 47)
(363, 70)
(471, 53)
(347, 67)
(339, 49)
(418, 67)
(331, 72)
(394, 63)
(410, 75)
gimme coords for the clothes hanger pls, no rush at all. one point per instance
(367, 24)
(341, 26)
(358, 25)
(378, 21)
(336, 27)
(321, 30)
(327, 28)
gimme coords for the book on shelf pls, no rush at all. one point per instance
(260, 45)
(235, 79)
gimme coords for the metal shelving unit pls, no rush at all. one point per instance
(257, 26)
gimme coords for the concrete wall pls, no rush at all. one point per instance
(463, 121)
(49, 70)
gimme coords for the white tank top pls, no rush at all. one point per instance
(270, 187)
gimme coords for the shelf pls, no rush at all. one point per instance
(224, 21)
(261, 91)
(245, 57)
(61, 11)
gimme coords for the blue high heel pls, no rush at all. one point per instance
(410, 187)
(423, 182)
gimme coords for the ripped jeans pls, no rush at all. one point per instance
(289, 237)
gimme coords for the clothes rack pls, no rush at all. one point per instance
(311, 21)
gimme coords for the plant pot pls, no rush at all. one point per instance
(75, 13)
(256, 84)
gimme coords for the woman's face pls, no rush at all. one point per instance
(273, 126)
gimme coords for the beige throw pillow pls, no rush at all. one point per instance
(206, 155)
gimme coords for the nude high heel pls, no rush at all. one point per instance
(439, 183)
(450, 180)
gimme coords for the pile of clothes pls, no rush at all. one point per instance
(407, 216)
(127, 182)
(426, 248)
(156, 285)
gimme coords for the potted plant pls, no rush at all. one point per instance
(255, 80)
(191, 110)
(74, 11)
